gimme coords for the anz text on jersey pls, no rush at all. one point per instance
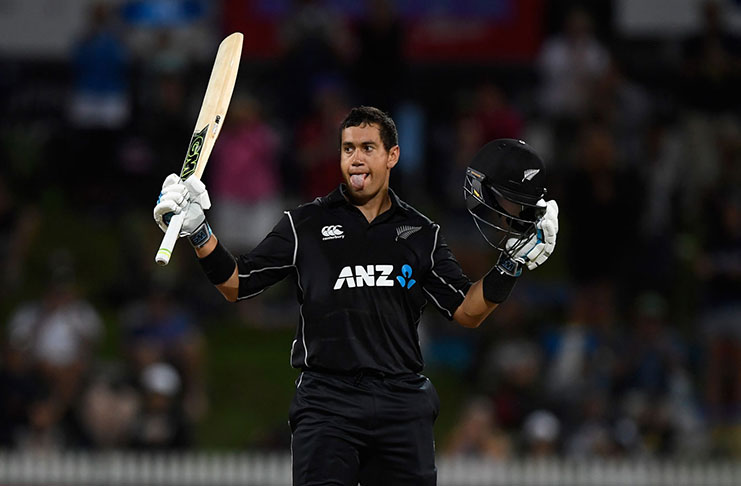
(373, 276)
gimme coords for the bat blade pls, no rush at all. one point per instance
(208, 126)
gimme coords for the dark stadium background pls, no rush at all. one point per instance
(627, 344)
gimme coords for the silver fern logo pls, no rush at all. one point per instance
(406, 231)
(529, 174)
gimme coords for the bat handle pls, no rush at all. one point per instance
(168, 241)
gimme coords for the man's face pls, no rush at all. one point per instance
(365, 163)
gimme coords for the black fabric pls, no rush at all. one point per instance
(218, 265)
(364, 428)
(497, 286)
(361, 286)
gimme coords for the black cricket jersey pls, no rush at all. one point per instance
(361, 286)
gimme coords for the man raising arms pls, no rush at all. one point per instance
(365, 264)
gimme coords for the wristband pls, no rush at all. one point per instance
(508, 266)
(497, 285)
(218, 265)
(201, 235)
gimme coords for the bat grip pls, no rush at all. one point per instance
(168, 241)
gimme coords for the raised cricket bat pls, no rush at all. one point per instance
(210, 119)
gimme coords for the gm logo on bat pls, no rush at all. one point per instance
(373, 276)
(194, 153)
(333, 232)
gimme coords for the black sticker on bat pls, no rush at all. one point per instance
(194, 153)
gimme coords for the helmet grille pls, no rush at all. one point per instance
(504, 222)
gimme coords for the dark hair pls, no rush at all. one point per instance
(367, 115)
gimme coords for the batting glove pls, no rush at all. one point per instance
(189, 197)
(541, 244)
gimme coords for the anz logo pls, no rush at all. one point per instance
(373, 276)
(405, 279)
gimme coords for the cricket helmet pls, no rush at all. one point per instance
(504, 182)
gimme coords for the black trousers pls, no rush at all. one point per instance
(363, 429)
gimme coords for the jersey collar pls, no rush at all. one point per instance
(337, 198)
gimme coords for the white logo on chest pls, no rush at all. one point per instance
(332, 232)
(365, 276)
(406, 231)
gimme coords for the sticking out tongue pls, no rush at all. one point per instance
(358, 181)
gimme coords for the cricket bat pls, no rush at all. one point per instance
(210, 119)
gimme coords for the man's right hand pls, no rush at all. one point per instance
(189, 197)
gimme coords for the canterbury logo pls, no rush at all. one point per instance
(365, 276)
(332, 232)
(529, 174)
(406, 231)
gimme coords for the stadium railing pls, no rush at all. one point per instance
(264, 469)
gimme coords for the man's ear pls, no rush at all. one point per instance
(393, 156)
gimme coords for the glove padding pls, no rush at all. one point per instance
(189, 197)
(540, 245)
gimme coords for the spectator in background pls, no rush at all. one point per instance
(20, 387)
(711, 69)
(709, 80)
(623, 106)
(578, 354)
(661, 174)
(569, 65)
(652, 365)
(477, 435)
(100, 107)
(106, 413)
(160, 423)
(45, 430)
(100, 92)
(59, 333)
(166, 56)
(50, 349)
(652, 352)
(157, 330)
(592, 436)
(510, 373)
(541, 434)
(719, 268)
(245, 176)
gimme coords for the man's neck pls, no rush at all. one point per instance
(376, 205)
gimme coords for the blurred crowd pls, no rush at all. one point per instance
(627, 344)
(55, 393)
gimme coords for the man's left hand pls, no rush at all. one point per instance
(541, 244)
